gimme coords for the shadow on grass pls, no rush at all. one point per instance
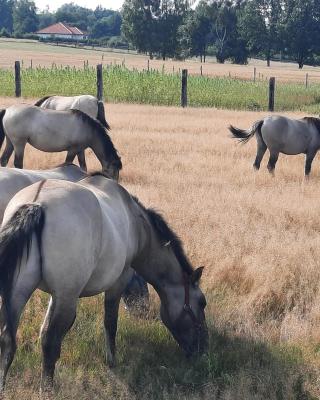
(152, 366)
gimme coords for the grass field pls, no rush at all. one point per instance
(44, 55)
(157, 88)
(259, 239)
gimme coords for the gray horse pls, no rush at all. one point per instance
(54, 131)
(88, 104)
(283, 135)
(12, 180)
(114, 232)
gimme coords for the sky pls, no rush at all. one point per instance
(54, 4)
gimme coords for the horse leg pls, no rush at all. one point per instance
(261, 149)
(272, 161)
(6, 153)
(82, 160)
(60, 318)
(111, 307)
(70, 157)
(10, 312)
(18, 156)
(309, 158)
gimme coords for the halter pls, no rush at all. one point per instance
(187, 307)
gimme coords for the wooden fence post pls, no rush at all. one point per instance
(201, 70)
(184, 81)
(17, 76)
(254, 74)
(148, 65)
(272, 83)
(99, 83)
(307, 76)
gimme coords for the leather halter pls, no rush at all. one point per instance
(187, 307)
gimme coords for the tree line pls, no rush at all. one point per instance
(230, 30)
(21, 17)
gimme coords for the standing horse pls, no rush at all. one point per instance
(12, 180)
(283, 135)
(51, 131)
(39, 249)
(90, 105)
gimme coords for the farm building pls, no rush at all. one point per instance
(62, 31)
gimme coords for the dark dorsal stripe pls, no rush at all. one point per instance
(166, 235)
(41, 101)
(96, 125)
(314, 121)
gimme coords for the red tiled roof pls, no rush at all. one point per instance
(61, 29)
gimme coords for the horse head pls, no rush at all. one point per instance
(182, 312)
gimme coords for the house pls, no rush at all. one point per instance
(62, 31)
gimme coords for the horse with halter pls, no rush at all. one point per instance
(114, 231)
(282, 135)
(88, 104)
(53, 131)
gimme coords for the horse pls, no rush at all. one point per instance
(51, 131)
(282, 135)
(136, 294)
(85, 103)
(75, 240)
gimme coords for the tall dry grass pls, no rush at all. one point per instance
(257, 236)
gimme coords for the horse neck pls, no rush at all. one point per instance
(154, 261)
(98, 147)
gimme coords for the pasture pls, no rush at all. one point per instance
(44, 55)
(258, 238)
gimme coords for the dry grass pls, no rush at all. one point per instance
(44, 55)
(258, 237)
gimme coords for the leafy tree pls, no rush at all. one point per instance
(76, 15)
(260, 24)
(195, 32)
(46, 18)
(6, 19)
(301, 29)
(25, 19)
(107, 26)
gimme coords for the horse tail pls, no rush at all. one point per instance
(16, 237)
(245, 135)
(101, 115)
(41, 101)
(2, 132)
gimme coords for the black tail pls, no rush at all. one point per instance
(15, 237)
(101, 115)
(245, 135)
(41, 101)
(2, 133)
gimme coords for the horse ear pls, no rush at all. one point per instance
(196, 275)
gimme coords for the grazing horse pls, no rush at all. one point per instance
(86, 103)
(283, 135)
(136, 294)
(79, 239)
(51, 131)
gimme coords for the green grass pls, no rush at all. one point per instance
(124, 85)
(150, 366)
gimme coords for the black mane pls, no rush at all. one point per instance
(166, 235)
(108, 146)
(41, 101)
(314, 121)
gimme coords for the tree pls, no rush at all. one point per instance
(6, 19)
(195, 32)
(107, 26)
(152, 25)
(25, 19)
(46, 18)
(76, 15)
(301, 29)
(259, 26)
